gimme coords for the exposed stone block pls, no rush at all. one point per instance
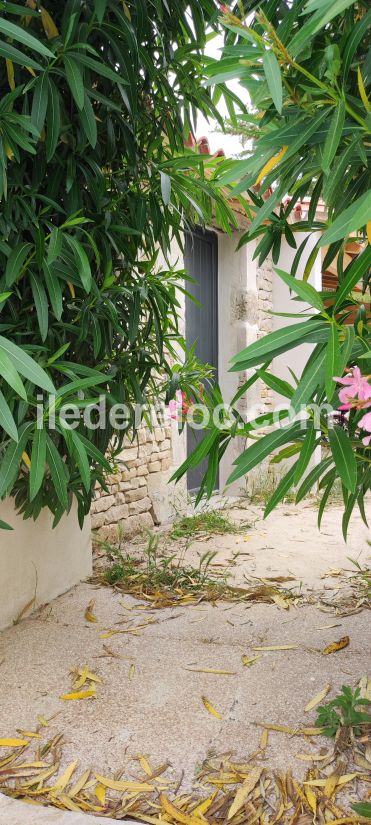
(102, 503)
(97, 520)
(143, 470)
(154, 466)
(140, 506)
(116, 513)
(135, 495)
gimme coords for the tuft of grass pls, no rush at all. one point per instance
(206, 523)
(361, 582)
(163, 578)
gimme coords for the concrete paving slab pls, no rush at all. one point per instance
(13, 812)
(155, 708)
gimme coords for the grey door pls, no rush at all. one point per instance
(201, 322)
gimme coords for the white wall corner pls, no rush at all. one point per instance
(39, 563)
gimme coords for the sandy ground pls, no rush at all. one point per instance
(155, 708)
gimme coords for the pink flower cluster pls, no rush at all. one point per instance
(356, 394)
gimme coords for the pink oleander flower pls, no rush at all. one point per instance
(173, 409)
(356, 387)
(365, 424)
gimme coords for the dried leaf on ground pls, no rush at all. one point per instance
(82, 675)
(244, 791)
(335, 646)
(225, 791)
(80, 694)
(278, 647)
(89, 615)
(292, 731)
(210, 708)
(247, 661)
(211, 670)
(317, 699)
(13, 743)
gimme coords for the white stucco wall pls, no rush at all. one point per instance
(37, 562)
(238, 327)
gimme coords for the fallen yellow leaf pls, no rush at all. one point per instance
(317, 699)
(89, 615)
(243, 792)
(80, 784)
(278, 647)
(13, 743)
(64, 779)
(144, 764)
(211, 670)
(178, 815)
(81, 694)
(100, 793)
(247, 661)
(312, 757)
(293, 731)
(341, 780)
(118, 785)
(83, 675)
(209, 707)
(335, 646)
(311, 799)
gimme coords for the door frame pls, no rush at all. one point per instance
(212, 236)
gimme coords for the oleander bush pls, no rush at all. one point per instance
(307, 67)
(97, 99)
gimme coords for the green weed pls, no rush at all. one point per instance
(208, 522)
(345, 711)
(164, 577)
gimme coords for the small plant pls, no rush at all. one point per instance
(344, 712)
(163, 578)
(209, 522)
(361, 580)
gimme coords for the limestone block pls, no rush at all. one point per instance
(98, 519)
(154, 466)
(116, 513)
(140, 506)
(142, 471)
(135, 495)
(102, 503)
(129, 453)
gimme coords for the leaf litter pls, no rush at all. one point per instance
(224, 791)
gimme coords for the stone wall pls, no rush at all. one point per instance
(139, 494)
